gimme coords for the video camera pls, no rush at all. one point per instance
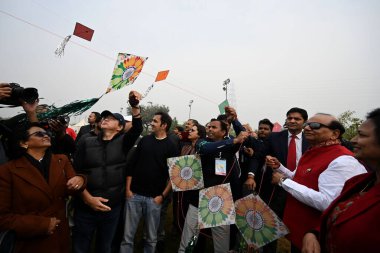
(29, 95)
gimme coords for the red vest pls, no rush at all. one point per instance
(298, 216)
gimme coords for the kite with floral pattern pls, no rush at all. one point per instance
(258, 224)
(185, 173)
(126, 70)
(216, 206)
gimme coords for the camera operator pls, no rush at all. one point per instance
(6, 126)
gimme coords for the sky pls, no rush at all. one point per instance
(323, 56)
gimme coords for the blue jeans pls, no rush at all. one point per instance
(136, 207)
(87, 221)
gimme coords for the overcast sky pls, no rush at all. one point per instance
(323, 56)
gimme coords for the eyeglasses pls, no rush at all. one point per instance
(40, 134)
(315, 125)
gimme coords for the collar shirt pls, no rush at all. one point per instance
(330, 182)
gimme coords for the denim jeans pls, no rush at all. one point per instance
(136, 207)
(87, 221)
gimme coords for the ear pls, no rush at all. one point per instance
(335, 134)
(164, 125)
(119, 128)
(23, 144)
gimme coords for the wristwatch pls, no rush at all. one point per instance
(281, 181)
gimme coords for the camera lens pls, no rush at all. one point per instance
(29, 95)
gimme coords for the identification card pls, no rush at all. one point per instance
(220, 167)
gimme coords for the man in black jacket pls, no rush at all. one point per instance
(102, 159)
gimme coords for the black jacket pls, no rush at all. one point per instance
(104, 163)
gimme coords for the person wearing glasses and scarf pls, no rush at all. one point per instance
(319, 177)
(33, 192)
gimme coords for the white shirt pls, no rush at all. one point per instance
(298, 141)
(330, 182)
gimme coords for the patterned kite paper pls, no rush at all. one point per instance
(258, 224)
(216, 206)
(185, 173)
(127, 69)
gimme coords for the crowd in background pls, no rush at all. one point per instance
(67, 192)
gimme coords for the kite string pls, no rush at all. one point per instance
(101, 54)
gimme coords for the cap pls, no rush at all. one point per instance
(83, 32)
(116, 115)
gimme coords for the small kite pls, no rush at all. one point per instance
(80, 31)
(126, 70)
(222, 105)
(162, 75)
(216, 206)
(185, 173)
(258, 224)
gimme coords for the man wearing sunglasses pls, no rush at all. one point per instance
(287, 146)
(318, 178)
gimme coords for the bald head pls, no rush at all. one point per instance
(325, 117)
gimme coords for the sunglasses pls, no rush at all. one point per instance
(40, 134)
(315, 125)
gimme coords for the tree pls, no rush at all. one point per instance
(174, 124)
(350, 123)
(147, 113)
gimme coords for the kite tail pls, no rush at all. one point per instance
(74, 108)
(148, 90)
(60, 51)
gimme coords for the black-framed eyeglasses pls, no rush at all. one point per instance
(315, 125)
(40, 134)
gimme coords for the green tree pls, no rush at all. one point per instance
(174, 124)
(147, 113)
(350, 123)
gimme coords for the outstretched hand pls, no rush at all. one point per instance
(272, 162)
(231, 113)
(134, 98)
(241, 137)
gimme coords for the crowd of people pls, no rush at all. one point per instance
(62, 192)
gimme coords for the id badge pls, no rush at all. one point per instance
(220, 167)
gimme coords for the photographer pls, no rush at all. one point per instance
(8, 97)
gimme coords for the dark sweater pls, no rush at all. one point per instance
(149, 170)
